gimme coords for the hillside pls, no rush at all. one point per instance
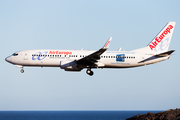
(167, 115)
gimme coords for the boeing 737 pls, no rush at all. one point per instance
(76, 60)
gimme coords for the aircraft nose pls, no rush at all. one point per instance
(8, 59)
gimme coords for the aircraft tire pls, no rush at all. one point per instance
(22, 71)
(89, 72)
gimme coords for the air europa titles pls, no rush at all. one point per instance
(158, 39)
(60, 52)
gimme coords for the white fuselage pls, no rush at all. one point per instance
(109, 59)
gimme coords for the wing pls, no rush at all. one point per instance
(92, 58)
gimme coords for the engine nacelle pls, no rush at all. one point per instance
(68, 65)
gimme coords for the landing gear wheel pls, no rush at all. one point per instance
(22, 70)
(89, 72)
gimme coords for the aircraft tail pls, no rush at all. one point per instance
(162, 41)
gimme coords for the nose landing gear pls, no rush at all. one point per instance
(89, 72)
(22, 70)
(20, 66)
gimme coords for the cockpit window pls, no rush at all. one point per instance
(15, 54)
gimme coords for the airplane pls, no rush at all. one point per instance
(76, 60)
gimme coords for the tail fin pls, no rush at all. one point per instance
(162, 41)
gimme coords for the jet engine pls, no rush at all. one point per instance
(68, 65)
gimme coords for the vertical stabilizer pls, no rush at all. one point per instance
(162, 41)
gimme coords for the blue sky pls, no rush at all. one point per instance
(68, 24)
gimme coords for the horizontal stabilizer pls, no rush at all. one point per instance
(165, 53)
(158, 56)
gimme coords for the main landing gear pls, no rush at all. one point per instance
(89, 72)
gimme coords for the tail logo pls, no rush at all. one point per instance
(163, 45)
(160, 38)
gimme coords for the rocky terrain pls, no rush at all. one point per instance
(167, 115)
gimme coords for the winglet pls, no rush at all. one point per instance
(92, 58)
(107, 43)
